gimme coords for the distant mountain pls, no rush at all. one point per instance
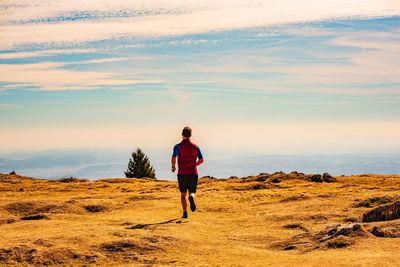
(96, 164)
(334, 164)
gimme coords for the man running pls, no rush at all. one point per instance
(187, 154)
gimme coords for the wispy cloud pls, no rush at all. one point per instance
(50, 76)
(43, 53)
(103, 60)
(156, 18)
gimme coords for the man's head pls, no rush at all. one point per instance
(187, 132)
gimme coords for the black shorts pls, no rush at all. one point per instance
(187, 182)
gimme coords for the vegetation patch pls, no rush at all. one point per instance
(146, 197)
(17, 254)
(25, 254)
(128, 250)
(43, 243)
(334, 236)
(48, 208)
(250, 186)
(294, 198)
(374, 201)
(95, 208)
(7, 221)
(295, 226)
(21, 208)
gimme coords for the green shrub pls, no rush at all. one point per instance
(139, 166)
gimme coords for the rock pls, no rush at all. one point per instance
(327, 178)
(233, 177)
(350, 219)
(275, 180)
(340, 242)
(291, 247)
(391, 230)
(383, 213)
(71, 180)
(34, 217)
(337, 230)
(262, 178)
(317, 178)
(346, 230)
(356, 226)
(375, 231)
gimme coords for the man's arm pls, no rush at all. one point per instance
(174, 155)
(200, 156)
(173, 162)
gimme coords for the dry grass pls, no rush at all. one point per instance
(252, 221)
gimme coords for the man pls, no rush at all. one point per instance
(187, 154)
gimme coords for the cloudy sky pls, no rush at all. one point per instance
(266, 76)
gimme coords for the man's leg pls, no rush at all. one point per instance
(191, 200)
(192, 190)
(183, 201)
(183, 189)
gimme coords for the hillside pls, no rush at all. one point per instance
(280, 219)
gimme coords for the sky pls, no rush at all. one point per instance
(249, 77)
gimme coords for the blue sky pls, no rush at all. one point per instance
(248, 76)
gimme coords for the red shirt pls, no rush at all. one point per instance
(187, 154)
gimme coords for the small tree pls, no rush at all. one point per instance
(139, 166)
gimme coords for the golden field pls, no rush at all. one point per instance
(278, 220)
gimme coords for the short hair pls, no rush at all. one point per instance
(187, 131)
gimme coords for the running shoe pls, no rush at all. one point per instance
(192, 204)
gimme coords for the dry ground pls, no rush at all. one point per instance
(251, 221)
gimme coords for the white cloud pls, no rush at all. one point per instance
(44, 53)
(370, 40)
(154, 18)
(103, 60)
(49, 76)
(374, 59)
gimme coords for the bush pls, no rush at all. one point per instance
(139, 166)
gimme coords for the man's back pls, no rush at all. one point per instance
(187, 154)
